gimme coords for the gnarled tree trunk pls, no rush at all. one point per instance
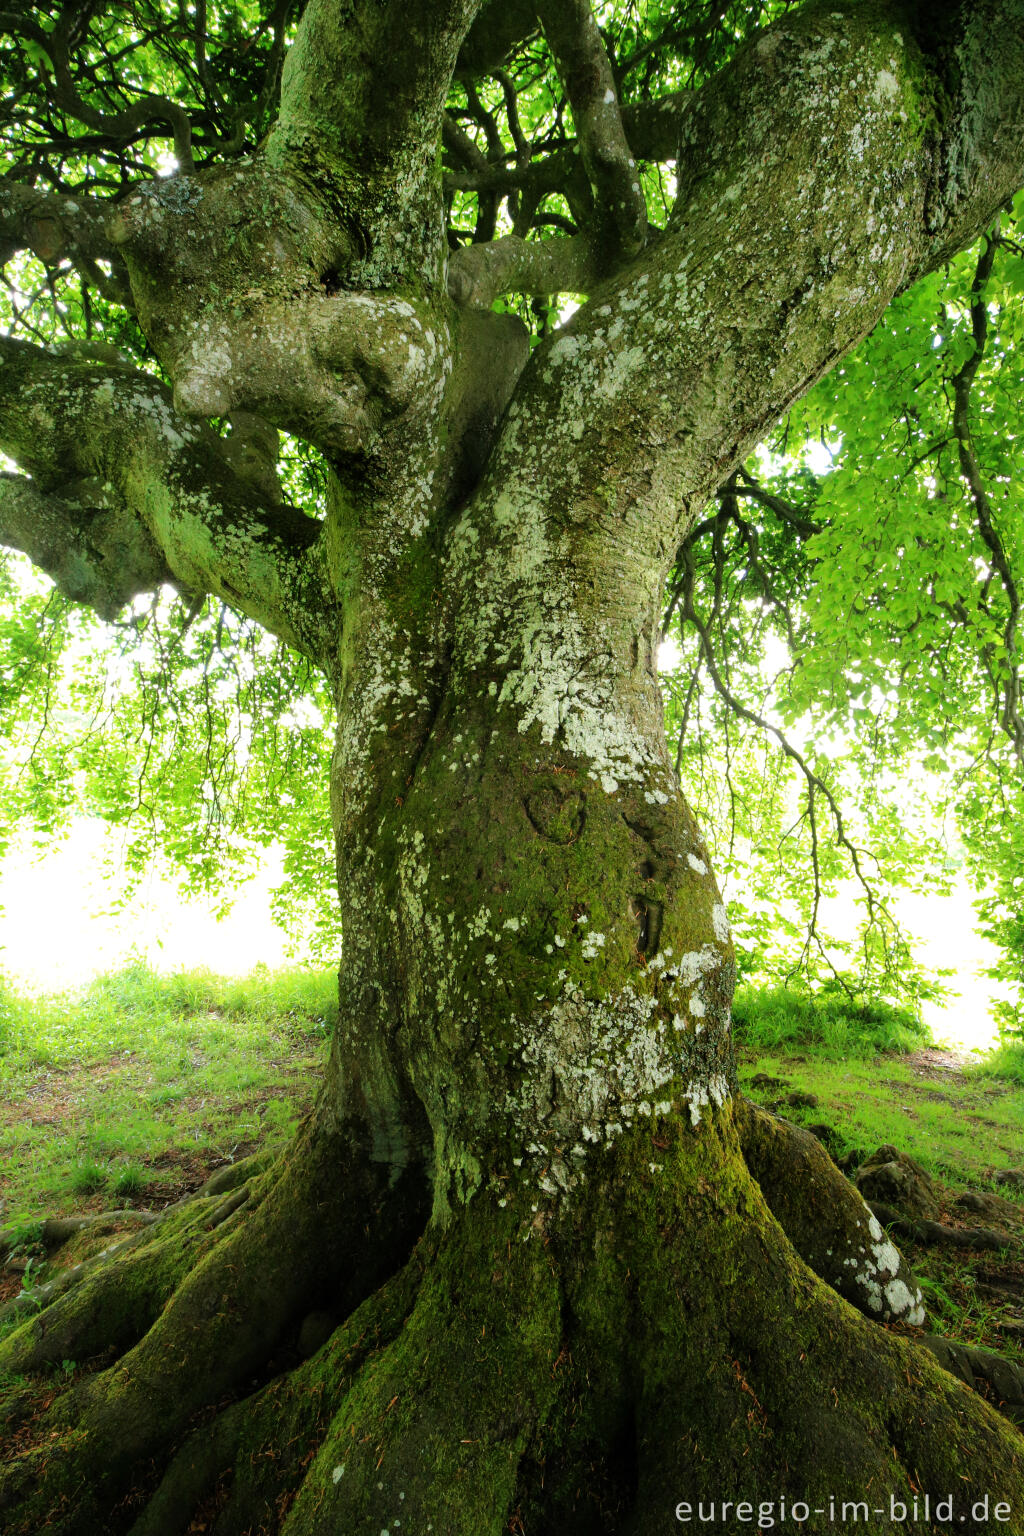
(515, 1274)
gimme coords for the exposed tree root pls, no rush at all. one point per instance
(324, 1227)
(444, 1376)
(58, 1230)
(577, 1370)
(1000, 1380)
(164, 1249)
(826, 1219)
(109, 1302)
(987, 1239)
(759, 1383)
(251, 1461)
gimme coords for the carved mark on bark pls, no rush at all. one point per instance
(558, 815)
(648, 916)
(657, 865)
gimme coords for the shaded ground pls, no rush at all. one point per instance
(130, 1098)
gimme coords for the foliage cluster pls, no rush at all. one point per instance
(846, 706)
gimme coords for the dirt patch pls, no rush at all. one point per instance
(933, 1061)
(10, 1285)
(182, 1171)
(56, 1093)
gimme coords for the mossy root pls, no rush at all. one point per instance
(826, 1219)
(327, 1231)
(573, 1369)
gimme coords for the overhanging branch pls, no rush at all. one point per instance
(54, 227)
(1006, 676)
(140, 495)
(97, 554)
(118, 127)
(675, 369)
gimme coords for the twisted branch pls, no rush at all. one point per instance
(119, 126)
(586, 71)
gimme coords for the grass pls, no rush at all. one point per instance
(954, 1124)
(828, 1025)
(1005, 1063)
(133, 1087)
(87, 1177)
(863, 1065)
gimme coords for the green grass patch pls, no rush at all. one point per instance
(962, 1119)
(829, 1025)
(957, 1127)
(130, 1087)
(130, 1182)
(87, 1178)
(1005, 1063)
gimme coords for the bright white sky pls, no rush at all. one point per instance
(60, 921)
(60, 925)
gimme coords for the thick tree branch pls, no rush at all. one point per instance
(584, 66)
(362, 99)
(804, 206)
(141, 495)
(370, 76)
(499, 28)
(478, 274)
(95, 551)
(55, 227)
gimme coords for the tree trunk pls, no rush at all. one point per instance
(518, 1241)
(526, 898)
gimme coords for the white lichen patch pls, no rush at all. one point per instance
(692, 967)
(562, 689)
(592, 943)
(590, 1068)
(698, 1096)
(886, 88)
(881, 1278)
